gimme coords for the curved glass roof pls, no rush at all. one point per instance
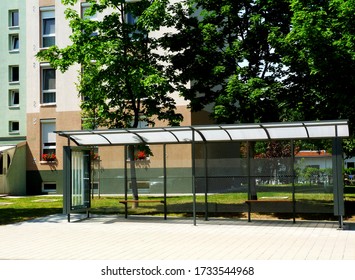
(209, 133)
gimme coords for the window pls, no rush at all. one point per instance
(14, 74)
(14, 127)
(49, 187)
(14, 98)
(48, 85)
(48, 28)
(48, 137)
(84, 15)
(84, 10)
(131, 21)
(14, 42)
(14, 18)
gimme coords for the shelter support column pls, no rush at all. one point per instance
(125, 180)
(338, 182)
(293, 182)
(165, 181)
(206, 180)
(193, 158)
(66, 181)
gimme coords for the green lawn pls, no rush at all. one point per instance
(17, 209)
(13, 210)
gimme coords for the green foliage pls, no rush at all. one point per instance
(259, 61)
(319, 54)
(223, 46)
(349, 171)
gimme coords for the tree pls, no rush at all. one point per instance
(319, 53)
(224, 48)
(266, 60)
(122, 81)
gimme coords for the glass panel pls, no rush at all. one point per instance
(48, 41)
(49, 97)
(48, 136)
(48, 26)
(215, 135)
(321, 131)
(122, 138)
(14, 126)
(90, 139)
(131, 19)
(48, 79)
(186, 136)
(14, 74)
(343, 131)
(15, 43)
(287, 132)
(160, 137)
(14, 98)
(248, 134)
(14, 18)
(80, 175)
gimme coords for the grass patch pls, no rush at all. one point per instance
(19, 209)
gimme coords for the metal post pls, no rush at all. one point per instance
(338, 183)
(193, 154)
(67, 181)
(125, 181)
(206, 181)
(293, 182)
(165, 182)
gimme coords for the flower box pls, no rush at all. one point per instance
(49, 157)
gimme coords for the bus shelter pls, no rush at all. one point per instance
(76, 156)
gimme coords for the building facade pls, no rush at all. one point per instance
(13, 96)
(52, 100)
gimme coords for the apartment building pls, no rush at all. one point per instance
(13, 97)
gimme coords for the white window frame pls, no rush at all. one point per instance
(14, 95)
(45, 89)
(14, 43)
(11, 74)
(47, 13)
(12, 19)
(48, 137)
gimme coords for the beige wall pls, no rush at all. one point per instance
(44, 3)
(64, 121)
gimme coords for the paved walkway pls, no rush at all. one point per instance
(142, 238)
